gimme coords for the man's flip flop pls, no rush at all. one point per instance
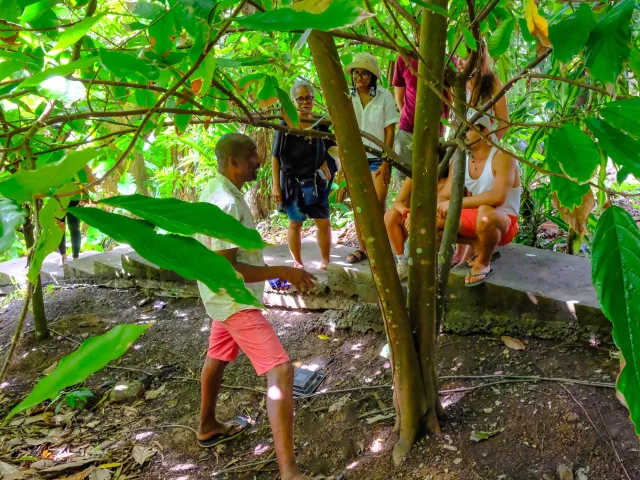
(479, 282)
(219, 438)
(356, 257)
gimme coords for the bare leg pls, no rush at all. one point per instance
(381, 191)
(491, 224)
(280, 411)
(210, 382)
(324, 240)
(294, 238)
(396, 231)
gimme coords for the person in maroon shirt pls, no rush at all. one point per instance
(406, 86)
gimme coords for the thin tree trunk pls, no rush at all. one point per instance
(450, 233)
(408, 385)
(422, 233)
(37, 300)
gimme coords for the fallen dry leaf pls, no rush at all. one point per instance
(340, 403)
(513, 343)
(43, 417)
(50, 369)
(153, 394)
(141, 453)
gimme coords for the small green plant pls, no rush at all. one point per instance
(76, 399)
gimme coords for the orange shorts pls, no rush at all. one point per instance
(468, 220)
(250, 331)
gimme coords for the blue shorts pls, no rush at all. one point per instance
(319, 210)
(374, 164)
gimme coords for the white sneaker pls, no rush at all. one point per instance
(403, 271)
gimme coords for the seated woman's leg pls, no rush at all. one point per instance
(396, 230)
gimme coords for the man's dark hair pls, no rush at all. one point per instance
(232, 145)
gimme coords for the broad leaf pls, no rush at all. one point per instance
(144, 9)
(624, 115)
(181, 121)
(162, 33)
(11, 218)
(574, 151)
(570, 35)
(570, 194)
(184, 255)
(187, 218)
(615, 263)
(59, 71)
(501, 37)
(51, 234)
(322, 15)
(36, 10)
(8, 68)
(72, 34)
(434, 8)
(205, 73)
(23, 185)
(123, 64)
(256, 60)
(468, 37)
(93, 355)
(289, 107)
(623, 149)
(536, 23)
(608, 44)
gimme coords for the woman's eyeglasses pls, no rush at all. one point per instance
(362, 74)
(307, 99)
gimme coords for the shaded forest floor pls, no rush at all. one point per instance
(535, 427)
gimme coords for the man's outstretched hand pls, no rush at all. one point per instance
(299, 278)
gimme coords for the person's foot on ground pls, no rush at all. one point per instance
(403, 271)
(207, 431)
(324, 264)
(63, 260)
(297, 264)
(357, 256)
(477, 275)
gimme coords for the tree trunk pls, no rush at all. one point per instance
(37, 305)
(408, 385)
(450, 233)
(422, 233)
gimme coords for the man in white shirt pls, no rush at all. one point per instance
(236, 326)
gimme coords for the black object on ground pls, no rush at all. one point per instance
(306, 381)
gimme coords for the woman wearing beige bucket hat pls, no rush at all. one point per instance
(377, 115)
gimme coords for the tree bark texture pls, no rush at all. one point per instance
(450, 233)
(37, 300)
(408, 384)
(422, 232)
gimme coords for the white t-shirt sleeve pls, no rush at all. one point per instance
(390, 111)
(214, 243)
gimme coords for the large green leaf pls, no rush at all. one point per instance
(25, 184)
(574, 151)
(499, 41)
(72, 34)
(184, 255)
(288, 106)
(570, 35)
(59, 71)
(51, 234)
(144, 9)
(608, 44)
(570, 194)
(36, 10)
(61, 88)
(11, 218)
(8, 68)
(162, 33)
(232, 62)
(93, 355)
(620, 147)
(615, 263)
(125, 65)
(322, 15)
(181, 121)
(624, 115)
(187, 218)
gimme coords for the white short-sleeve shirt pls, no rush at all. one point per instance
(222, 192)
(379, 113)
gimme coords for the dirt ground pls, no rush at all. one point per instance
(535, 428)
